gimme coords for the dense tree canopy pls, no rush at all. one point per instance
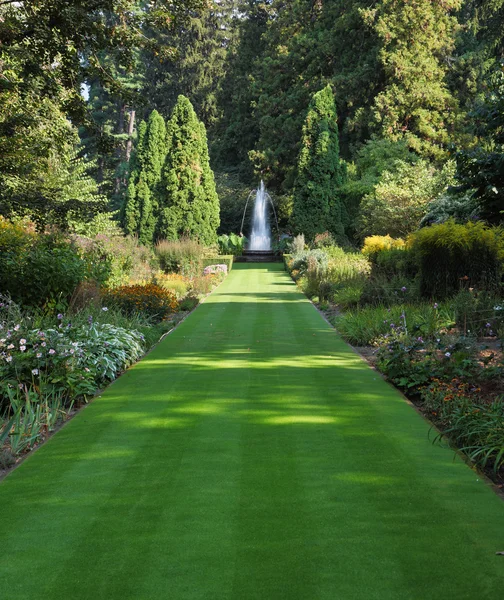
(414, 81)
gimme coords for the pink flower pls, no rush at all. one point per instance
(22, 341)
(22, 348)
(51, 351)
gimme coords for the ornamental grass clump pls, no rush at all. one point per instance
(153, 300)
(183, 256)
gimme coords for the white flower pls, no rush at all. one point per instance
(16, 328)
(447, 354)
(34, 371)
(10, 346)
(104, 309)
(39, 354)
(43, 344)
(51, 351)
(22, 348)
(22, 341)
(9, 359)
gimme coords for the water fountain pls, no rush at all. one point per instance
(259, 247)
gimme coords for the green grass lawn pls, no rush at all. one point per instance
(251, 455)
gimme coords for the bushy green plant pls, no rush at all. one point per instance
(399, 201)
(181, 256)
(395, 262)
(38, 270)
(364, 325)
(231, 244)
(449, 254)
(301, 260)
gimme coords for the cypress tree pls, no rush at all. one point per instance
(317, 207)
(144, 191)
(190, 202)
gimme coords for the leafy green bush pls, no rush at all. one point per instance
(182, 256)
(38, 270)
(231, 244)
(451, 255)
(301, 260)
(400, 199)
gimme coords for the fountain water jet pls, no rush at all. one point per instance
(260, 236)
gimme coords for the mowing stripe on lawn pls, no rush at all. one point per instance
(251, 456)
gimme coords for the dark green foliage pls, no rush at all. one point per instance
(145, 193)
(415, 103)
(481, 170)
(38, 270)
(189, 204)
(451, 256)
(50, 39)
(233, 196)
(317, 207)
(199, 68)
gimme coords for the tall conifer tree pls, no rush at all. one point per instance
(190, 202)
(317, 207)
(144, 191)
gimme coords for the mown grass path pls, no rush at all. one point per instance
(251, 455)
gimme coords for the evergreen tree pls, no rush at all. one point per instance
(317, 207)
(199, 68)
(144, 191)
(190, 205)
(415, 103)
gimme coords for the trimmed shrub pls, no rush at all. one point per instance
(452, 256)
(225, 259)
(150, 299)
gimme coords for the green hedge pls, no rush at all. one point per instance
(225, 259)
(452, 256)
